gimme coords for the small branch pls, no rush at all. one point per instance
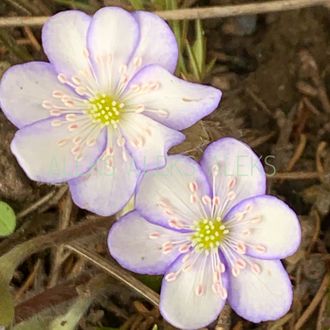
(239, 10)
(42, 201)
(196, 13)
(324, 287)
(294, 176)
(50, 297)
(298, 152)
(116, 272)
(10, 260)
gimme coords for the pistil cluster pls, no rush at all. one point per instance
(105, 110)
(209, 233)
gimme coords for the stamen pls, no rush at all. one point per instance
(55, 112)
(174, 223)
(232, 183)
(137, 62)
(57, 94)
(184, 248)
(154, 235)
(193, 187)
(199, 291)
(206, 200)
(235, 271)
(240, 263)
(71, 117)
(62, 142)
(170, 277)
(76, 80)
(240, 248)
(231, 195)
(47, 104)
(167, 247)
(256, 268)
(261, 248)
(73, 127)
(215, 170)
(56, 123)
(62, 78)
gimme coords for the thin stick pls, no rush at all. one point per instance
(116, 272)
(259, 102)
(298, 152)
(196, 13)
(42, 201)
(324, 287)
(294, 176)
(316, 231)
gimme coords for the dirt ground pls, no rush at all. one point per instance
(274, 72)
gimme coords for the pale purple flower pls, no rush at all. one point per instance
(214, 234)
(106, 108)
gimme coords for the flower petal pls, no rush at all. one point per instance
(112, 38)
(189, 302)
(165, 195)
(261, 297)
(64, 41)
(157, 44)
(47, 154)
(109, 185)
(148, 141)
(272, 228)
(137, 244)
(170, 100)
(236, 171)
(25, 87)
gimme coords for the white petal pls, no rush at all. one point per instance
(47, 153)
(137, 244)
(148, 141)
(174, 102)
(157, 43)
(261, 297)
(64, 38)
(272, 228)
(25, 87)
(165, 195)
(112, 38)
(109, 185)
(234, 170)
(182, 305)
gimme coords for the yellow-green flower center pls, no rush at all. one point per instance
(105, 110)
(209, 233)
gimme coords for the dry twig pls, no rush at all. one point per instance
(55, 193)
(315, 302)
(196, 13)
(298, 152)
(295, 176)
(116, 272)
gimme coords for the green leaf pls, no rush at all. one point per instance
(82, 5)
(193, 62)
(137, 4)
(7, 219)
(199, 47)
(210, 66)
(7, 308)
(154, 282)
(71, 318)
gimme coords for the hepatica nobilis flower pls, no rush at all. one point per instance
(106, 108)
(214, 234)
